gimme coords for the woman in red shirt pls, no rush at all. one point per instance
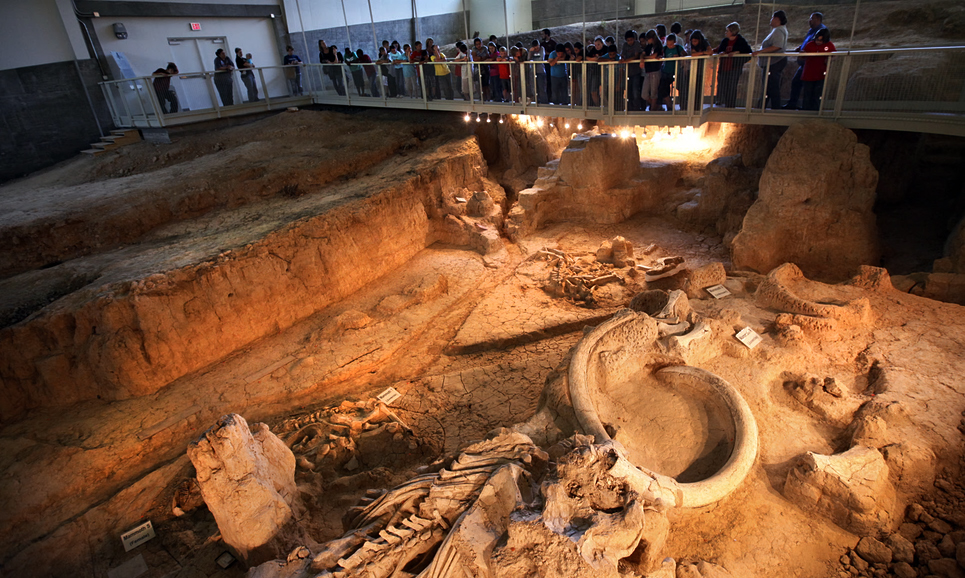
(815, 69)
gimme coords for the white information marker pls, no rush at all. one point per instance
(137, 536)
(749, 337)
(388, 396)
(133, 568)
(717, 291)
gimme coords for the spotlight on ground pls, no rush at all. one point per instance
(466, 118)
(539, 122)
(624, 134)
(579, 126)
(567, 125)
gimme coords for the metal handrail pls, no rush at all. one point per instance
(857, 90)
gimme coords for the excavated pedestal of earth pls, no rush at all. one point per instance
(295, 301)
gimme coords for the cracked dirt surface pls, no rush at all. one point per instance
(469, 342)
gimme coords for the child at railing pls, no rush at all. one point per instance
(162, 87)
(652, 52)
(815, 69)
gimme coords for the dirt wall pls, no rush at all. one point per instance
(130, 339)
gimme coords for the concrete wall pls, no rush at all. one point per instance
(549, 13)
(490, 18)
(444, 29)
(147, 48)
(44, 115)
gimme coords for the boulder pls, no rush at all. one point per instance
(247, 480)
(852, 489)
(602, 161)
(873, 551)
(814, 208)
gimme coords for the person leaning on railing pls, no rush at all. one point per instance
(652, 52)
(594, 80)
(462, 70)
(244, 64)
(559, 90)
(816, 23)
(536, 81)
(293, 72)
(574, 54)
(669, 72)
(730, 66)
(443, 78)
(162, 87)
(630, 55)
(815, 69)
(222, 77)
(774, 62)
(397, 58)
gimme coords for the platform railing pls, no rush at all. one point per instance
(913, 89)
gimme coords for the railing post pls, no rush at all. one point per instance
(211, 94)
(348, 93)
(264, 88)
(842, 86)
(110, 104)
(422, 78)
(522, 86)
(383, 88)
(472, 81)
(691, 93)
(611, 89)
(751, 81)
(154, 103)
(824, 86)
(583, 87)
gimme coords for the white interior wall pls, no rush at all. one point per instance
(645, 6)
(147, 49)
(32, 33)
(318, 14)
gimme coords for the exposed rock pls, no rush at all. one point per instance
(904, 570)
(815, 205)
(597, 179)
(703, 277)
(723, 196)
(902, 549)
(852, 489)
(873, 551)
(946, 567)
(248, 482)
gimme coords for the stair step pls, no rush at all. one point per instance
(103, 145)
(93, 152)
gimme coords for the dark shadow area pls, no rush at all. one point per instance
(919, 197)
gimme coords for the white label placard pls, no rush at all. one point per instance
(137, 536)
(749, 337)
(718, 291)
(388, 396)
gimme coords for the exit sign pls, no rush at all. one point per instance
(195, 26)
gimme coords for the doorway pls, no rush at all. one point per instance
(195, 59)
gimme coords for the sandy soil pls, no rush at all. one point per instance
(468, 340)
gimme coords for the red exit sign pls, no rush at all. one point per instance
(196, 26)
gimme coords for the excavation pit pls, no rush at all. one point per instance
(685, 432)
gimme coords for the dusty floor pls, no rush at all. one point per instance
(468, 340)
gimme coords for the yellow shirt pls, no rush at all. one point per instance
(441, 69)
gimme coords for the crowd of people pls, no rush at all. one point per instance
(653, 70)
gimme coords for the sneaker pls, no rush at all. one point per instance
(789, 106)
